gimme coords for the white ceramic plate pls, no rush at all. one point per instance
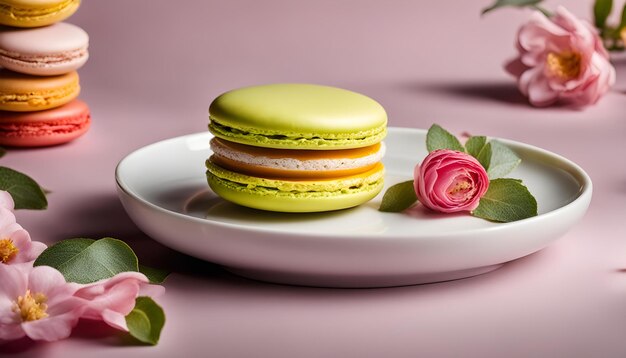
(164, 190)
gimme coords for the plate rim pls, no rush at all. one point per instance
(583, 179)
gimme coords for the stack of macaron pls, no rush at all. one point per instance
(296, 147)
(39, 56)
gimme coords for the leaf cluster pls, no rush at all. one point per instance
(86, 261)
(505, 200)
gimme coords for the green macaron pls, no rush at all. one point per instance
(296, 147)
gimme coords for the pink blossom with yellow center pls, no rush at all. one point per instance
(37, 302)
(15, 244)
(112, 299)
(561, 59)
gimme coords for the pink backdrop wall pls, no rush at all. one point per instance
(155, 65)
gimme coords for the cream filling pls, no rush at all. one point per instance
(296, 164)
(43, 60)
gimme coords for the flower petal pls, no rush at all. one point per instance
(515, 67)
(6, 218)
(115, 319)
(10, 332)
(14, 279)
(6, 200)
(151, 290)
(540, 93)
(50, 282)
(51, 328)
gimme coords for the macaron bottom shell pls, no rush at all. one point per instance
(36, 137)
(295, 196)
(36, 16)
(43, 66)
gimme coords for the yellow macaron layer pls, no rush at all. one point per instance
(36, 13)
(24, 93)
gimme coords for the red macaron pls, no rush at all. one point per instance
(44, 128)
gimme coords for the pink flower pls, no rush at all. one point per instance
(113, 298)
(449, 181)
(6, 200)
(15, 243)
(561, 59)
(36, 302)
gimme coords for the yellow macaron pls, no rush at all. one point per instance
(35, 13)
(25, 93)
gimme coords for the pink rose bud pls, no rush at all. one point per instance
(449, 181)
(561, 58)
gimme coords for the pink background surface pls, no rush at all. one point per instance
(155, 67)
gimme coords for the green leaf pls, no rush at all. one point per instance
(439, 138)
(399, 197)
(484, 156)
(506, 200)
(153, 274)
(2, 152)
(86, 260)
(503, 160)
(506, 3)
(26, 193)
(146, 320)
(478, 148)
(475, 144)
(601, 11)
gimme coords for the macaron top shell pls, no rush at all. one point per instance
(12, 82)
(74, 109)
(54, 39)
(298, 116)
(34, 3)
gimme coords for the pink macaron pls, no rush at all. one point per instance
(44, 128)
(43, 51)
